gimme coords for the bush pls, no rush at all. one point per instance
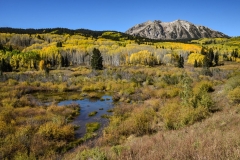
(234, 95)
(143, 121)
(55, 131)
(62, 87)
(232, 83)
(171, 115)
(203, 85)
(173, 92)
(92, 127)
(171, 79)
(176, 116)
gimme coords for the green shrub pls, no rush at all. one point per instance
(171, 116)
(92, 127)
(234, 95)
(203, 85)
(232, 83)
(176, 116)
(171, 79)
(55, 131)
(205, 100)
(173, 92)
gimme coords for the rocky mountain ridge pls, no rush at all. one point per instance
(175, 30)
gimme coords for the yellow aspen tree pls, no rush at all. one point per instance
(41, 65)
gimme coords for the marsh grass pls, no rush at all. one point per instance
(105, 116)
(92, 113)
(151, 121)
(92, 127)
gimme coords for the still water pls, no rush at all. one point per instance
(87, 106)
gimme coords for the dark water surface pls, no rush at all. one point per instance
(87, 106)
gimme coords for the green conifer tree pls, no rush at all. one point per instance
(195, 63)
(205, 62)
(59, 44)
(96, 60)
(216, 58)
(210, 56)
(180, 62)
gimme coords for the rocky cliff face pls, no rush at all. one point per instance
(175, 30)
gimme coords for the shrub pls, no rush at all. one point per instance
(92, 127)
(171, 79)
(56, 131)
(205, 100)
(62, 87)
(173, 92)
(143, 121)
(176, 116)
(171, 115)
(87, 88)
(232, 83)
(234, 95)
(203, 85)
(100, 86)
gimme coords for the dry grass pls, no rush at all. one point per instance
(137, 128)
(137, 133)
(215, 138)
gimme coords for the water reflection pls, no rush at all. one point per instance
(87, 106)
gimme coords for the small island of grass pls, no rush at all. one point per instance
(92, 113)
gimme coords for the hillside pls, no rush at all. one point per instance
(178, 29)
(74, 47)
(172, 100)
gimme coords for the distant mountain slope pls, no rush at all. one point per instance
(175, 30)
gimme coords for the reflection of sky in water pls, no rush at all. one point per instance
(88, 106)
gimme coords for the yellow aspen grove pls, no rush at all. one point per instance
(195, 56)
(143, 57)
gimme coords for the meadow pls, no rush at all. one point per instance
(162, 111)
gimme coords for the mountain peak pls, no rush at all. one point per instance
(175, 30)
(157, 21)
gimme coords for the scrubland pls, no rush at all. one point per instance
(161, 111)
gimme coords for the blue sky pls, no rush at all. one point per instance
(119, 15)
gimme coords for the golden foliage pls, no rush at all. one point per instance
(41, 65)
(195, 56)
(143, 57)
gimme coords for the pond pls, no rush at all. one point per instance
(101, 106)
